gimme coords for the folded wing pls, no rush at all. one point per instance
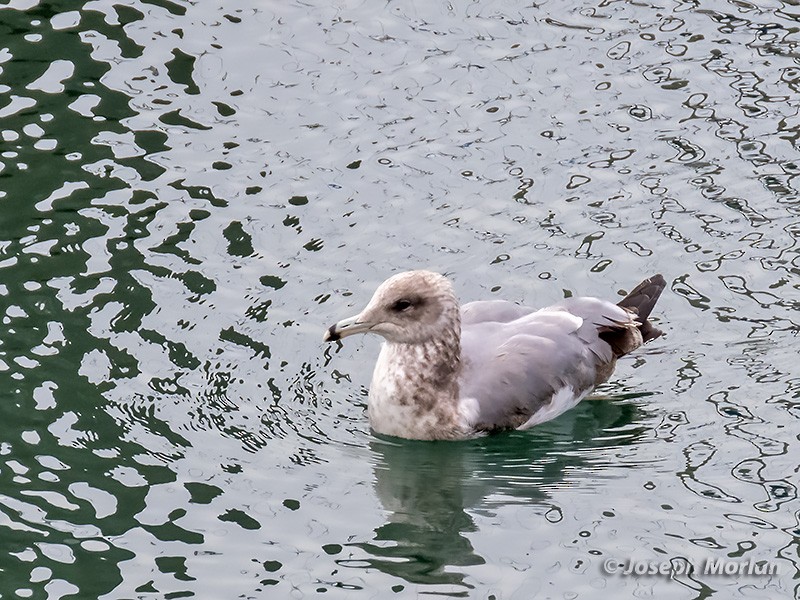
(517, 362)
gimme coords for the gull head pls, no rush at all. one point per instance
(408, 308)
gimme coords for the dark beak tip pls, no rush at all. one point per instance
(331, 335)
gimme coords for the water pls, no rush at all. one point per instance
(191, 193)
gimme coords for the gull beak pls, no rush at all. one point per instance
(346, 327)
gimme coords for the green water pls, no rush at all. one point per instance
(192, 193)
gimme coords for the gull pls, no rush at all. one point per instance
(447, 371)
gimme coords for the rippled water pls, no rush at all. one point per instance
(192, 192)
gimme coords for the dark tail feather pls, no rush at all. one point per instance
(641, 301)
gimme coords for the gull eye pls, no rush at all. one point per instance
(402, 305)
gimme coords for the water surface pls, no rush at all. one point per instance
(193, 192)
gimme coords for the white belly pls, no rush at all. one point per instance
(563, 400)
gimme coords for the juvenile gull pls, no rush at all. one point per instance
(450, 372)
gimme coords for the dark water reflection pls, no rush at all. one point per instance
(430, 490)
(191, 192)
(71, 480)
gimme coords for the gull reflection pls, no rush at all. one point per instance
(431, 490)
